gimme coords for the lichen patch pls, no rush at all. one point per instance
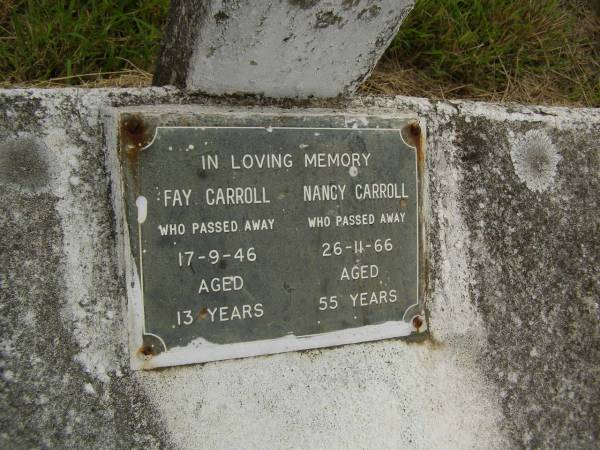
(535, 159)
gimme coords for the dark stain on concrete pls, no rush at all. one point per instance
(221, 17)
(347, 4)
(369, 13)
(303, 4)
(23, 163)
(537, 283)
(49, 400)
(211, 51)
(179, 40)
(325, 19)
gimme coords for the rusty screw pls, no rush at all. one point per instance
(412, 133)
(134, 125)
(417, 322)
(415, 129)
(147, 351)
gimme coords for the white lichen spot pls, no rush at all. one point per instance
(303, 146)
(353, 171)
(74, 180)
(189, 147)
(269, 129)
(535, 159)
(89, 389)
(317, 134)
(8, 376)
(170, 148)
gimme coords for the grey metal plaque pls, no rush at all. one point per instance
(253, 233)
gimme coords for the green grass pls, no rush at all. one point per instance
(49, 39)
(531, 51)
(501, 49)
(484, 41)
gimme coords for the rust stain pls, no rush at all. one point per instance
(419, 142)
(415, 137)
(203, 313)
(151, 346)
(147, 351)
(134, 135)
(134, 130)
(425, 339)
(414, 131)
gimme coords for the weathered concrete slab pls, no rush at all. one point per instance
(514, 356)
(295, 48)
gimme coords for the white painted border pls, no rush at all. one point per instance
(270, 128)
(200, 350)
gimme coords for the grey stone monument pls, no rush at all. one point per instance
(294, 48)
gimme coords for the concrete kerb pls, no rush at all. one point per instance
(514, 262)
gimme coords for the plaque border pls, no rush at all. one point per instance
(201, 350)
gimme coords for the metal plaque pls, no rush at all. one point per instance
(253, 233)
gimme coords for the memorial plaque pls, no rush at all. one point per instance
(252, 233)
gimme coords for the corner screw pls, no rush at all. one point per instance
(415, 129)
(134, 125)
(417, 322)
(147, 352)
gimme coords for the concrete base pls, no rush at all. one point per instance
(514, 356)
